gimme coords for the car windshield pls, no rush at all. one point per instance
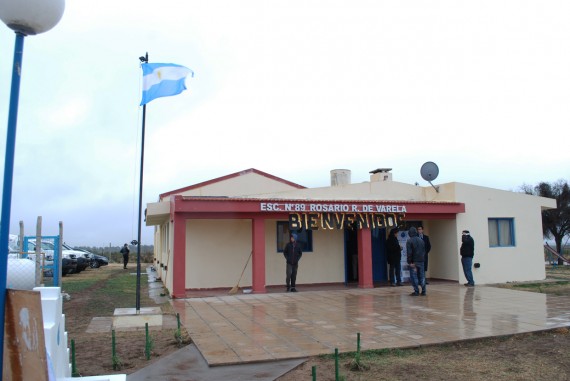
(47, 245)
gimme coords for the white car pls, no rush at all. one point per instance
(69, 257)
(47, 251)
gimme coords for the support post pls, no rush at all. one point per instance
(8, 179)
(258, 256)
(365, 278)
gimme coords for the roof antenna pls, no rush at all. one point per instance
(429, 172)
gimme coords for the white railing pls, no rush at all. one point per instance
(55, 335)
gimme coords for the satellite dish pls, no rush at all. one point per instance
(429, 172)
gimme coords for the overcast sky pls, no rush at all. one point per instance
(294, 88)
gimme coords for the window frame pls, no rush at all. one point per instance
(282, 235)
(497, 229)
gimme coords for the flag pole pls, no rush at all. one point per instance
(138, 297)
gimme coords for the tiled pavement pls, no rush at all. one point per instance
(235, 329)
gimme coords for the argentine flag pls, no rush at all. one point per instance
(163, 80)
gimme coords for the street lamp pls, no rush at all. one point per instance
(25, 17)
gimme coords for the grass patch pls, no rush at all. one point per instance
(557, 282)
(120, 285)
(75, 285)
(106, 290)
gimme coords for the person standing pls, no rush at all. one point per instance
(415, 248)
(292, 254)
(467, 252)
(394, 254)
(125, 251)
(427, 245)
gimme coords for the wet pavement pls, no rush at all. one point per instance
(253, 328)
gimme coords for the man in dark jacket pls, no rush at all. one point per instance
(292, 254)
(467, 252)
(394, 254)
(415, 248)
(427, 244)
(125, 251)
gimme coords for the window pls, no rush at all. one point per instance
(304, 237)
(501, 232)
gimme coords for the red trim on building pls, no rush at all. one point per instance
(365, 276)
(178, 267)
(258, 254)
(184, 208)
(249, 205)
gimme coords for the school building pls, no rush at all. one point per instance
(207, 232)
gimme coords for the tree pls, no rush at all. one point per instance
(555, 222)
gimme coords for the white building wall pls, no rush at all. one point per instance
(216, 250)
(524, 261)
(325, 264)
(238, 186)
(444, 255)
(167, 235)
(216, 253)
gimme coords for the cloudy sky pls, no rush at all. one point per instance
(294, 88)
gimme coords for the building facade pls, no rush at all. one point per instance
(206, 233)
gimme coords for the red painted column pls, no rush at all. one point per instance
(258, 256)
(178, 266)
(365, 278)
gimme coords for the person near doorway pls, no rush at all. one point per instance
(394, 254)
(292, 254)
(467, 252)
(125, 251)
(415, 255)
(427, 245)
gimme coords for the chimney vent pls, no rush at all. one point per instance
(380, 174)
(340, 177)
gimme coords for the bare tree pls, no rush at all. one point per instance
(555, 222)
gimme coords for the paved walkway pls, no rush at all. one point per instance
(247, 328)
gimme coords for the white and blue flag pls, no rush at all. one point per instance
(163, 80)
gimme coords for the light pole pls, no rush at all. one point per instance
(25, 17)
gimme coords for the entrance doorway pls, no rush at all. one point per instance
(379, 259)
(351, 255)
(379, 264)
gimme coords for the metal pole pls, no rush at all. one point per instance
(8, 179)
(138, 301)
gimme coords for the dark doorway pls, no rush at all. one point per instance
(379, 262)
(350, 256)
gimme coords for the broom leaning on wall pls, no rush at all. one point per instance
(235, 288)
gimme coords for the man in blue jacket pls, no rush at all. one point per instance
(415, 248)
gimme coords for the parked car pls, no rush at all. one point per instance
(82, 261)
(46, 260)
(87, 255)
(101, 260)
(68, 266)
(69, 261)
(96, 259)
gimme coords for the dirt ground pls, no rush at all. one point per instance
(537, 356)
(93, 351)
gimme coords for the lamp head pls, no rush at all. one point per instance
(31, 17)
